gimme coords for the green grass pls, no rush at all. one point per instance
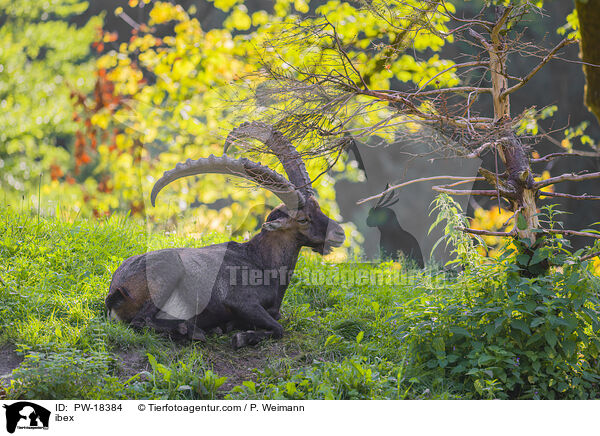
(342, 340)
(55, 275)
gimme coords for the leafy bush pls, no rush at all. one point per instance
(495, 333)
(352, 379)
(513, 337)
(62, 375)
(179, 381)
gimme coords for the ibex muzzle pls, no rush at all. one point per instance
(231, 285)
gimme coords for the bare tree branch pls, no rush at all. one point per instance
(511, 217)
(569, 232)
(564, 177)
(463, 65)
(589, 256)
(575, 197)
(424, 179)
(512, 233)
(455, 89)
(501, 22)
(484, 192)
(545, 60)
(477, 152)
(343, 52)
(551, 156)
(487, 24)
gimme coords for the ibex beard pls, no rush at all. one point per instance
(187, 291)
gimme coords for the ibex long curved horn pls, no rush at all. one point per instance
(280, 145)
(263, 176)
(388, 199)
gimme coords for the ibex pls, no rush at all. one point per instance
(394, 239)
(230, 285)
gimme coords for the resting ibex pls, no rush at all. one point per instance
(228, 285)
(394, 239)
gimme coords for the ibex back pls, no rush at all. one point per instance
(187, 291)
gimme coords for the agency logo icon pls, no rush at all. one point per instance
(26, 415)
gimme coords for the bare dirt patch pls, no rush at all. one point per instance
(130, 363)
(9, 360)
(241, 365)
(219, 356)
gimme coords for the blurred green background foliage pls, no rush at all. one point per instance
(97, 100)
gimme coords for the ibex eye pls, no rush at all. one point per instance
(302, 220)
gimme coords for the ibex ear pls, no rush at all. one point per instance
(278, 224)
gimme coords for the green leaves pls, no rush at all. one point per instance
(360, 337)
(446, 209)
(513, 337)
(521, 325)
(37, 74)
(521, 222)
(551, 337)
(461, 331)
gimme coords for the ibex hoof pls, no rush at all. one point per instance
(191, 332)
(197, 335)
(182, 329)
(137, 323)
(217, 331)
(239, 340)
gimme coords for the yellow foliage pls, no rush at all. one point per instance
(566, 144)
(181, 113)
(239, 19)
(596, 265)
(225, 5)
(545, 176)
(259, 18)
(101, 119)
(301, 6)
(163, 12)
(493, 220)
(107, 61)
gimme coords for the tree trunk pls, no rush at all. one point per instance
(589, 26)
(511, 150)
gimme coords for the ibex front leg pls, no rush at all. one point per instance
(254, 316)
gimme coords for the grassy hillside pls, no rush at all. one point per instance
(483, 333)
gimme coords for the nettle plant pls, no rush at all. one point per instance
(500, 333)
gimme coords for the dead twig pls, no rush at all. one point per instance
(569, 232)
(575, 197)
(566, 177)
(545, 60)
(589, 256)
(512, 216)
(512, 233)
(424, 179)
(485, 192)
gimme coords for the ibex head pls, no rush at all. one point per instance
(382, 214)
(311, 226)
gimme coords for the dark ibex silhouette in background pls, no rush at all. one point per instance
(185, 291)
(394, 239)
